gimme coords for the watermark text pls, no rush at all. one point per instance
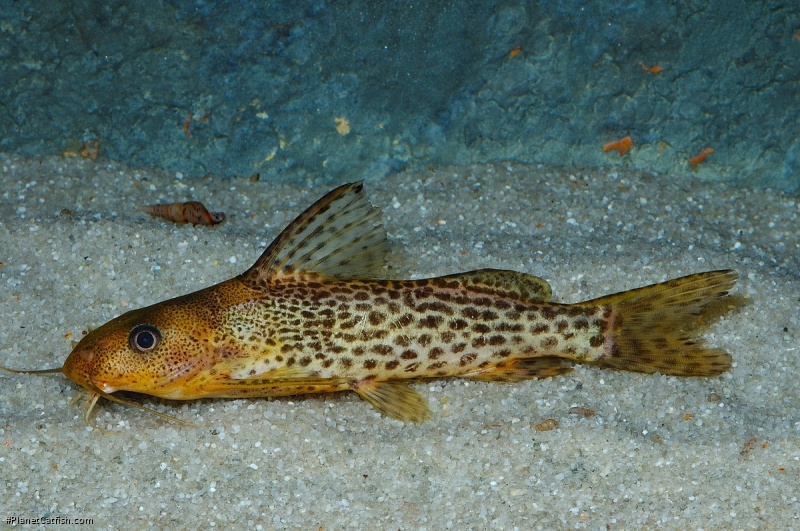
(48, 520)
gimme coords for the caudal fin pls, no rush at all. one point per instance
(655, 328)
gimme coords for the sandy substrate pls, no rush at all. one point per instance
(680, 453)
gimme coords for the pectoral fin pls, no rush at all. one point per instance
(283, 381)
(394, 399)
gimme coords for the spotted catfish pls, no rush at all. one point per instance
(312, 315)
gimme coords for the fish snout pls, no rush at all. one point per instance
(78, 367)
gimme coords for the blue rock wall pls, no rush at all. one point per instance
(229, 88)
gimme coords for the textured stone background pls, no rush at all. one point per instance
(419, 84)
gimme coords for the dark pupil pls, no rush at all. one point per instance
(145, 340)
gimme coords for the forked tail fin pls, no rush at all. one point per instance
(655, 328)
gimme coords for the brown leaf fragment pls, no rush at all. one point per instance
(193, 212)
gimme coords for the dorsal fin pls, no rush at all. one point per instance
(340, 235)
(505, 283)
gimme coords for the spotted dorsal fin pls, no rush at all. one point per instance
(505, 283)
(340, 235)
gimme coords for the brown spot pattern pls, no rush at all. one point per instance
(324, 325)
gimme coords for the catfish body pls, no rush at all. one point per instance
(312, 315)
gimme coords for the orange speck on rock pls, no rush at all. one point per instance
(187, 123)
(622, 145)
(654, 69)
(342, 125)
(700, 157)
(515, 52)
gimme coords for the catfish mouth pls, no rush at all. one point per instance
(95, 394)
(76, 368)
(170, 385)
(92, 387)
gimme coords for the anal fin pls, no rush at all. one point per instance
(394, 399)
(519, 369)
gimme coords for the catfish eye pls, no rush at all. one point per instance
(144, 338)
